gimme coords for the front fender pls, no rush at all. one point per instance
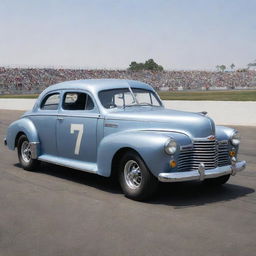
(223, 132)
(148, 144)
(25, 126)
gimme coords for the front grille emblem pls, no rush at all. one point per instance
(211, 137)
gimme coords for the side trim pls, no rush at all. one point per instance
(65, 115)
(110, 125)
(164, 130)
(70, 163)
(77, 115)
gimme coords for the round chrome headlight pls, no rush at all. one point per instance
(235, 138)
(170, 147)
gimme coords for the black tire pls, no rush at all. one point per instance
(217, 181)
(25, 159)
(144, 185)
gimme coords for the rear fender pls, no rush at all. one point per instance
(23, 125)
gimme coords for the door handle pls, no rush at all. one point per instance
(60, 118)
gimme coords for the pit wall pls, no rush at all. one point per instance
(222, 112)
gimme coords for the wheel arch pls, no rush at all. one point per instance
(117, 156)
(17, 138)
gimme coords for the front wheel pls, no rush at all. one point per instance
(24, 154)
(135, 179)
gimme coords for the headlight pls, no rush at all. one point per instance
(170, 147)
(235, 139)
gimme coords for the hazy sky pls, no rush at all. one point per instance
(112, 33)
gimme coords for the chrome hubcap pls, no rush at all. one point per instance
(132, 174)
(26, 151)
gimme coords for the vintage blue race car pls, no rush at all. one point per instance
(120, 128)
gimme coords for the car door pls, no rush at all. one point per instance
(44, 120)
(77, 127)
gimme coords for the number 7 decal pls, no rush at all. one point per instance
(80, 129)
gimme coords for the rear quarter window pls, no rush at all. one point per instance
(51, 102)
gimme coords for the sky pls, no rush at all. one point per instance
(179, 35)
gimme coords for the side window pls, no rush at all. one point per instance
(51, 102)
(77, 101)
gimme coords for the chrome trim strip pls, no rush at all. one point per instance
(206, 139)
(202, 174)
(223, 142)
(161, 130)
(188, 147)
(66, 115)
(84, 116)
(110, 125)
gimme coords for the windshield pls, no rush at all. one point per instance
(121, 98)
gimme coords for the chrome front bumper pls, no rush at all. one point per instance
(202, 174)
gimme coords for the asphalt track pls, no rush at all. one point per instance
(59, 211)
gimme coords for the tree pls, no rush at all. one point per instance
(232, 66)
(222, 68)
(218, 68)
(253, 64)
(134, 66)
(150, 64)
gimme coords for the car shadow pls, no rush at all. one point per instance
(178, 195)
(189, 194)
(84, 178)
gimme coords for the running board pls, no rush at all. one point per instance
(74, 164)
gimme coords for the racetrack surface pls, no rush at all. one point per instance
(60, 211)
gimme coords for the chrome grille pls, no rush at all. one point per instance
(223, 156)
(207, 152)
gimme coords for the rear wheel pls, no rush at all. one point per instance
(217, 181)
(24, 154)
(136, 180)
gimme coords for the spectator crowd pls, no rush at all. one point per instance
(34, 80)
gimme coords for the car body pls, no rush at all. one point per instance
(88, 125)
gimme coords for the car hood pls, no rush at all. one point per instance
(195, 125)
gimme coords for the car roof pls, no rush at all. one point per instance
(96, 85)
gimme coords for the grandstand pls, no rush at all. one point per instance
(34, 80)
